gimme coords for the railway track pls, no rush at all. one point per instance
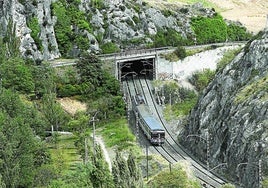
(171, 150)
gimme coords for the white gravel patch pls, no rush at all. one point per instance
(183, 69)
(198, 62)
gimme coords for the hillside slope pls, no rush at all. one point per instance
(251, 13)
(232, 113)
(50, 29)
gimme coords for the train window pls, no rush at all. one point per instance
(158, 134)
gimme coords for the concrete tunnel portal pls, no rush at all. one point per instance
(138, 67)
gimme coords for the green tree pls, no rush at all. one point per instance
(89, 69)
(35, 34)
(136, 180)
(18, 143)
(17, 75)
(78, 123)
(100, 176)
(2, 183)
(53, 112)
(209, 30)
(120, 170)
(44, 80)
(69, 16)
(237, 32)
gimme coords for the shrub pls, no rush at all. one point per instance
(236, 32)
(201, 79)
(176, 178)
(109, 47)
(209, 30)
(68, 90)
(34, 26)
(170, 37)
(180, 52)
(68, 17)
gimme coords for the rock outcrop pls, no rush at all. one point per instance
(122, 22)
(17, 13)
(229, 124)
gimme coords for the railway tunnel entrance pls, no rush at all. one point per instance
(138, 67)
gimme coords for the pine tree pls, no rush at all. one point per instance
(136, 180)
(2, 184)
(53, 112)
(121, 172)
(101, 176)
(18, 143)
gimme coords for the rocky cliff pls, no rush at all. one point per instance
(19, 13)
(122, 22)
(229, 125)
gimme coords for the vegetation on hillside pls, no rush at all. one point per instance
(177, 177)
(31, 155)
(201, 79)
(68, 17)
(178, 100)
(168, 37)
(215, 29)
(227, 58)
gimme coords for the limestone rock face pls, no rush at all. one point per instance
(231, 117)
(47, 35)
(17, 13)
(119, 21)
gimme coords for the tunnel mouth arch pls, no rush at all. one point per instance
(138, 67)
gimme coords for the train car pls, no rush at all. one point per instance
(151, 127)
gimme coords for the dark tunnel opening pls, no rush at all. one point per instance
(142, 67)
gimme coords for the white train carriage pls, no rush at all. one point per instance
(151, 127)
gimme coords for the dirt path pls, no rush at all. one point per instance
(105, 152)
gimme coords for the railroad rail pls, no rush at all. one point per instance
(171, 151)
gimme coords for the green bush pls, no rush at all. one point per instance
(201, 79)
(68, 16)
(34, 26)
(209, 30)
(68, 90)
(17, 75)
(237, 33)
(180, 52)
(169, 37)
(177, 178)
(188, 101)
(63, 30)
(109, 47)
